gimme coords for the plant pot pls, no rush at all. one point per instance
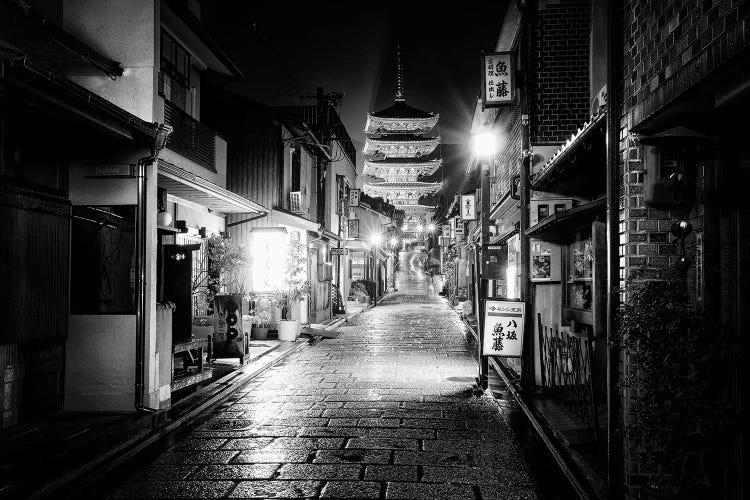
(260, 333)
(288, 330)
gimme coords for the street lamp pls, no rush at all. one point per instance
(431, 228)
(485, 147)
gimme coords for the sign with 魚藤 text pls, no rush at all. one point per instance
(503, 328)
(497, 79)
(353, 228)
(354, 197)
(468, 207)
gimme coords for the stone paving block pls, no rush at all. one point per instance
(404, 457)
(236, 472)
(350, 489)
(379, 422)
(433, 423)
(276, 489)
(171, 471)
(273, 431)
(272, 456)
(174, 489)
(390, 473)
(200, 444)
(383, 405)
(508, 492)
(332, 432)
(352, 456)
(196, 457)
(285, 443)
(387, 432)
(352, 413)
(247, 443)
(425, 491)
(320, 471)
(383, 443)
(343, 422)
(412, 414)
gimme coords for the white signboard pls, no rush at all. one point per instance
(503, 328)
(446, 231)
(497, 79)
(468, 207)
(458, 225)
(354, 197)
(353, 228)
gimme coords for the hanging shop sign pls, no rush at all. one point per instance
(503, 328)
(497, 79)
(468, 207)
(446, 231)
(339, 251)
(354, 197)
(458, 225)
(353, 228)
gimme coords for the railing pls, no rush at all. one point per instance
(566, 364)
(190, 138)
(295, 202)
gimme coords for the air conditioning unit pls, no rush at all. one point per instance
(295, 202)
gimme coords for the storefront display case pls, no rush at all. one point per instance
(585, 270)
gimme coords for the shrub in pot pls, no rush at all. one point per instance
(295, 288)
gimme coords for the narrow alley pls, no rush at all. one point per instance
(384, 411)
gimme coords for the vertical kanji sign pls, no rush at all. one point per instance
(354, 197)
(468, 207)
(503, 328)
(497, 79)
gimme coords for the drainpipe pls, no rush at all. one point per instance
(614, 436)
(141, 260)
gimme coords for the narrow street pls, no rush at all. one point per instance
(384, 411)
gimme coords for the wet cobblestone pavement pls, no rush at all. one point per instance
(384, 411)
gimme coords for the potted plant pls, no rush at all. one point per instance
(262, 322)
(295, 288)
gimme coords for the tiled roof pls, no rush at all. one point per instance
(401, 110)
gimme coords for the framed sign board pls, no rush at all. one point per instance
(353, 228)
(503, 328)
(497, 79)
(468, 207)
(354, 197)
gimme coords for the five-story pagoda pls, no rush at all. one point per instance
(400, 148)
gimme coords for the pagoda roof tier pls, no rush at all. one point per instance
(400, 119)
(422, 187)
(399, 146)
(400, 166)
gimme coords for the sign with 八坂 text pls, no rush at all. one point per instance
(503, 328)
(497, 79)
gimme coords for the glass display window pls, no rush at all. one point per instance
(580, 271)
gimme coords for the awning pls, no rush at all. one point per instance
(550, 176)
(549, 228)
(190, 187)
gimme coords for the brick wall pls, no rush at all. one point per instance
(668, 46)
(559, 73)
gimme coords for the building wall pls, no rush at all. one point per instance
(559, 70)
(668, 47)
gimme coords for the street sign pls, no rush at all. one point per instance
(446, 231)
(503, 328)
(116, 171)
(458, 225)
(497, 79)
(353, 228)
(339, 251)
(468, 207)
(354, 197)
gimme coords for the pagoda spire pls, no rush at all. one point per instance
(400, 94)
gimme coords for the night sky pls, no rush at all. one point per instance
(286, 52)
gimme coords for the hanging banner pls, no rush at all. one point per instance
(468, 207)
(354, 197)
(353, 228)
(503, 328)
(497, 79)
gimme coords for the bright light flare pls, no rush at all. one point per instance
(431, 227)
(394, 242)
(485, 144)
(376, 238)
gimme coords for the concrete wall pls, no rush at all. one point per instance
(126, 32)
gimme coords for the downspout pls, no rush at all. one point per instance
(141, 259)
(614, 436)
